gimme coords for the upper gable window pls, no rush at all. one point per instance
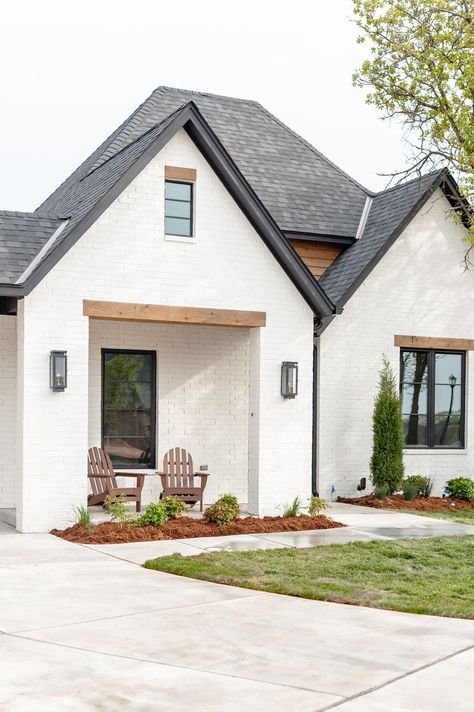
(179, 208)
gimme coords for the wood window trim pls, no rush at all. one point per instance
(433, 342)
(177, 173)
(165, 314)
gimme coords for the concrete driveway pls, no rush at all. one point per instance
(83, 630)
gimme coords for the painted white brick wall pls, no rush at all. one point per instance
(202, 396)
(125, 257)
(8, 430)
(419, 288)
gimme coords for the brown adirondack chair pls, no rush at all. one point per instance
(102, 478)
(178, 477)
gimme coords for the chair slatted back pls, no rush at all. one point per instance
(178, 468)
(100, 470)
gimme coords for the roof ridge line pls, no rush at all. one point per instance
(314, 150)
(169, 117)
(165, 87)
(434, 173)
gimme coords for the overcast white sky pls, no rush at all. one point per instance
(72, 71)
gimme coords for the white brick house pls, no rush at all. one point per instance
(274, 242)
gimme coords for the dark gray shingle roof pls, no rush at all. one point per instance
(388, 212)
(302, 190)
(22, 235)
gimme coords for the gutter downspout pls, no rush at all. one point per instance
(314, 464)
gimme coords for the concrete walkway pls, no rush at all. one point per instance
(363, 524)
(82, 630)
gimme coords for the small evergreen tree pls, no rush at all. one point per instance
(386, 464)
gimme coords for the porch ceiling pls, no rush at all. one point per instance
(165, 314)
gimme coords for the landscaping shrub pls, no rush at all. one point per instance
(410, 490)
(293, 509)
(82, 517)
(118, 509)
(386, 464)
(461, 488)
(224, 510)
(422, 484)
(155, 515)
(316, 505)
(381, 491)
(173, 507)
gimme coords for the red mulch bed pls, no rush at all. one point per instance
(397, 501)
(186, 527)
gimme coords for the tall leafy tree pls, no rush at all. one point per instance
(421, 71)
(386, 464)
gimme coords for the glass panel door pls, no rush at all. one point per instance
(129, 407)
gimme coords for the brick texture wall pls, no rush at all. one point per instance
(124, 256)
(8, 429)
(419, 288)
(202, 396)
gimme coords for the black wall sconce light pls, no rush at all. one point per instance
(58, 370)
(289, 379)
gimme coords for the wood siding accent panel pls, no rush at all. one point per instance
(176, 173)
(317, 256)
(433, 342)
(164, 314)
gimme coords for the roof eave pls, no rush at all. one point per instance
(200, 132)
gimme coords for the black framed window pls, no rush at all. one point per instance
(432, 398)
(178, 208)
(129, 407)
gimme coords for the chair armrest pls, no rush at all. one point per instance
(201, 474)
(102, 476)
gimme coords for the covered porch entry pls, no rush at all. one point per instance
(163, 377)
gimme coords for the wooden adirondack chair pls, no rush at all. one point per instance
(178, 477)
(103, 481)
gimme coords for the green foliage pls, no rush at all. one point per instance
(174, 507)
(316, 505)
(118, 510)
(461, 488)
(386, 464)
(428, 576)
(410, 490)
(381, 491)
(421, 71)
(224, 510)
(155, 515)
(422, 484)
(293, 509)
(82, 517)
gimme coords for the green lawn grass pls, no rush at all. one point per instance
(462, 516)
(430, 576)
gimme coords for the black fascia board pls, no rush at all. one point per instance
(245, 197)
(448, 185)
(319, 237)
(189, 118)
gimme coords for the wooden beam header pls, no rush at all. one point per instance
(433, 342)
(176, 173)
(164, 314)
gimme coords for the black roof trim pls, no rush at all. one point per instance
(317, 237)
(443, 180)
(190, 118)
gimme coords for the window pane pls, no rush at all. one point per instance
(414, 429)
(178, 191)
(129, 451)
(414, 398)
(448, 430)
(414, 367)
(447, 400)
(448, 368)
(178, 226)
(127, 408)
(176, 209)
